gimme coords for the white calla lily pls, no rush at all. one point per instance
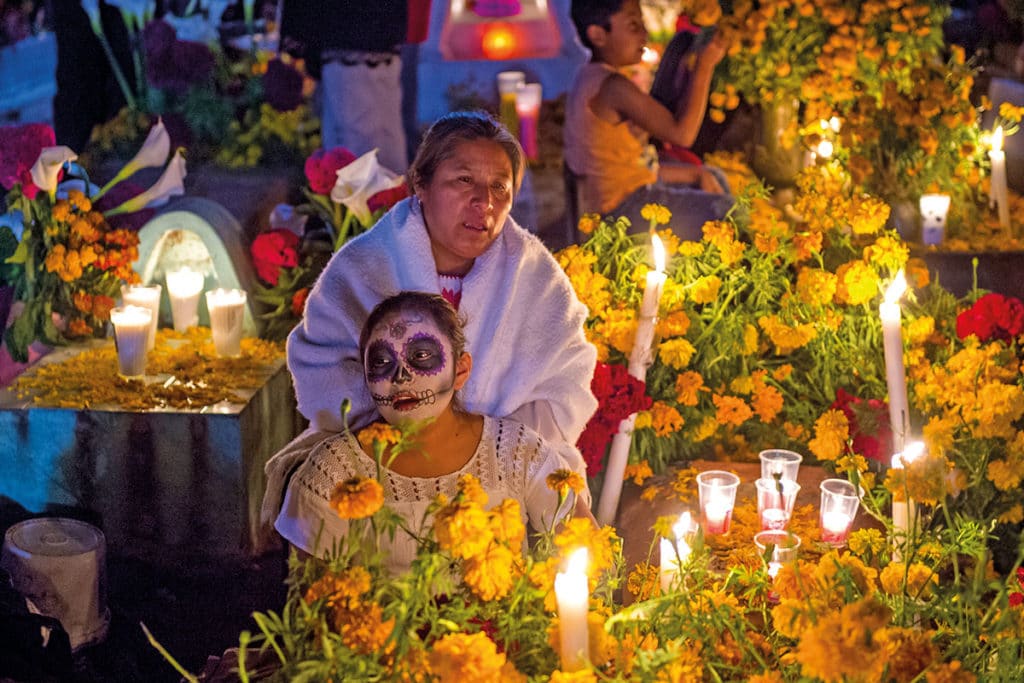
(47, 167)
(92, 10)
(170, 184)
(154, 152)
(359, 181)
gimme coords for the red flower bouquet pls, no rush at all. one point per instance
(993, 316)
(272, 251)
(619, 395)
(870, 427)
(19, 149)
(322, 168)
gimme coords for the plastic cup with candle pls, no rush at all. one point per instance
(183, 289)
(528, 99)
(676, 551)
(934, 208)
(572, 594)
(227, 312)
(775, 500)
(839, 503)
(778, 461)
(146, 296)
(131, 330)
(716, 491)
(784, 547)
(509, 83)
(895, 372)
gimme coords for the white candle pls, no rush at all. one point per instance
(183, 288)
(895, 373)
(528, 99)
(904, 512)
(639, 361)
(573, 597)
(146, 297)
(934, 208)
(835, 525)
(998, 192)
(227, 311)
(676, 551)
(716, 514)
(131, 329)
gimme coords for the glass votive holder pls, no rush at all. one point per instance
(839, 503)
(528, 99)
(509, 83)
(146, 296)
(778, 461)
(227, 312)
(775, 500)
(784, 547)
(183, 289)
(131, 330)
(716, 491)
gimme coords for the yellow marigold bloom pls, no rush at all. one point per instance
(560, 481)
(1012, 516)
(602, 546)
(705, 430)
(347, 585)
(669, 241)
(619, 328)
(675, 324)
(750, 340)
(638, 472)
(916, 580)
(463, 529)
(868, 216)
(55, 259)
(1006, 473)
(583, 676)
(357, 498)
(949, 672)
(815, 287)
(731, 252)
(685, 484)
(471, 490)
(507, 523)
(834, 570)
(466, 658)
(841, 645)
(690, 249)
(643, 580)
(665, 419)
(887, 253)
(791, 618)
(920, 329)
(61, 211)
(643, 420)
(807, 245)
(676, 353)
(858, 283)
(362, 627)
(731, 410)
(656, 213)
(705, 289)
(908, 652)
(831, 432)
(743, 384)
(491, 574)
(588, 222)
(786, 338)
(867, 542)
(378, 432)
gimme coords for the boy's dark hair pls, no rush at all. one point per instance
(435, 306)
(596, 12)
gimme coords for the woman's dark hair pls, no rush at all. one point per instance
(433, 305)
(462, 126)
(585, 13)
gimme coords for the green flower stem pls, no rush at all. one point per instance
(343, 230)
(115, 66)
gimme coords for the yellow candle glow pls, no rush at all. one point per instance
(572, 593)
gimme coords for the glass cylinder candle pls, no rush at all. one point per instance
(778, 461)
(839, 502)
(716, 490)
(509, 83)
(146, 297)
(183, 288)
(572, 594)
(131, 329)
(775, 500)
(528, 99)
(227, 312)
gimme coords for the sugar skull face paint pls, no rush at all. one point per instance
(409, 368)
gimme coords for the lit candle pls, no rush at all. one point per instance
(183, 288)
(934, 208)
(227, 311)
(835, 525)
(528, 101)
(131, 330)
(904, 512)
(509, 83)
(147, 297)
(676, 551)
(839, 503)
(639, 361)
(998, 192)
(716, 492)
(573, 597)
(895, 374)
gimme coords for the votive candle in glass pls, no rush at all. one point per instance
(509, 83)
(572, 595)
(183, 289)
(227, 312)
(146, 296)
(131, 330)
(775, 500)
(839, 503)
(676, 551)
(528, 99)
(778, 461)
(784, 547)
(716, 491)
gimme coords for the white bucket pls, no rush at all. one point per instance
(60, 565)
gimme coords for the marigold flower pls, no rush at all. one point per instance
(466, 658)
(866, 543)
(349, 584)
(638, 472)
(858, 283)
(676, 353)
(705, 289)
(463, 529)
(507, 523)
(491, 574)
(656, 213)
(561, 481)
(907, 651)
(357, 498)
(731, 410)
(665, 419)
(815, 287)
(689, 384)
(949, 672)
(362, 627)
(675, 324)
(831, 432)
(582, 676)
(841, 646)
(588, 222)
(471, 490)
(897, 578)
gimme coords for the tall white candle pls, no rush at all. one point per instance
(227, 311)
(676, 551)
(895, 373)
(998, 192)
(639, 361)
(573, 597)
(131, 329)
(183, 288)
(147, 297)
(904, 513)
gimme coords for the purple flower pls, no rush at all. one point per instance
(173, 64)
(282, 86)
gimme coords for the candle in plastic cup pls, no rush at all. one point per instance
(716, 490)
(183, 289)
(528, 99)
(509, 83)
(839, 503)
(146, 297)
(784, 547)
(227, 311)
(775, 500)
(131, 329)
(779, 461)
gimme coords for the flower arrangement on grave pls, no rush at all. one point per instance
(67, 246)
(345, 196)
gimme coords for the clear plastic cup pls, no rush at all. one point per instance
(839, 503)
(775, 500)
(716, 490)
(227, 313)
(131, 330)
(147, 296)
(780, 461)
(509, 83)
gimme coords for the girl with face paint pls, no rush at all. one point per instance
(414, 362)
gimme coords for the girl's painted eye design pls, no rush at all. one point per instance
(424, 353)
(381, 361)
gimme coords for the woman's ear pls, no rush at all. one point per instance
(463, 366)
(596, 34)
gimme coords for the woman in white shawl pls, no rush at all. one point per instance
(454, 237)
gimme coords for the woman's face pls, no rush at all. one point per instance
(409, 368)
(466, 203)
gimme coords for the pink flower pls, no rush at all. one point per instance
(322, 168)
(19, 149)
(993, 316)
(273, 250)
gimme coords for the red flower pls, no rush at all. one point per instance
(993, 316)
(273, 250)
(299, 302)
(619, 395)
(385, 199)
(869, 425)
(19, 149)
(322, 167)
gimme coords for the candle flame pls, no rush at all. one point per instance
(997, 139)
(577, 563)
(911, 452)
(825, 149)
(683, 525)
(649, 56)
(659, 253)
(896, 288)
(835, 124)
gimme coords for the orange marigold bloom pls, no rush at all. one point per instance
(101, 306)
(362, 627)
(907, 651)
(689, 384)
(466, 658)
(807, 245)
(378, 432)
(463, 529)
(949, 672)
(638, 472)
(78, 328)
(665, 419)
(731, 410)
(61, 211)
(349, 584)
(491, 574)
(562, 480)
(357, 498)
(82, 301)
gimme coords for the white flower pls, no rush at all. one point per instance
(359, 181)
(195, 28)
(153, 153)
(92, 9)
(170, 184)
(48, 165)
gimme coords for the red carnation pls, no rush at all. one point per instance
(870, 426)
(273, 250)
(385, 199)
(993, 316)
(619, 395)
(322, 167)
(19, 149)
